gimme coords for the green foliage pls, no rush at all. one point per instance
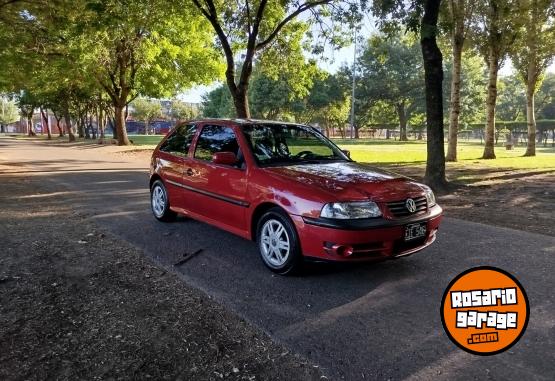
(533, 49)
(545, 98)
(473, 88)
(183, 111)
(511, 101)
(328, 104)
(494, 27)
(391, 76)
(273, 94)
(270, 31)
(8, 111)
(218, 103)
(144, 47)
(146, 110)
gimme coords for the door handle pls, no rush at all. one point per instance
(189, 172)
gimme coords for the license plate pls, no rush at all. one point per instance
(414, 231)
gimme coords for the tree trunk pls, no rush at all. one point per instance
(532, 73)
(59, 126)
(80, 127)
(46, 121)
(493, 69)
(433, 75)
(530, 118)
(402, 113)
(455, 109)
(30, 129)
(356, 132)
(2, 128)
(87, 127)
(100, 122)
(114, 129)
(69, 127)
(241, 102)
(120, 127)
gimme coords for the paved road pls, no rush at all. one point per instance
(374, 321)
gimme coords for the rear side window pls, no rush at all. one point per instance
(214, 139)
(180, 140)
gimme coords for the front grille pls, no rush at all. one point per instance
(399, 208)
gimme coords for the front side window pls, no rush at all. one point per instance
(277, 144)
(214, 139)
(180, 140)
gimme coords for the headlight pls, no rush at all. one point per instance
(350, 210)
(430, 197)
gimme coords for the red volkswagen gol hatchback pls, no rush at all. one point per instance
(290, 189)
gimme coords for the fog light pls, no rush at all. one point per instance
(342, 250)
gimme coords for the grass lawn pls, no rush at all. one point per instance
(145, 140)
(469, 153)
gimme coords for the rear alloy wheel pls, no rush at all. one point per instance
(160, 202)
(278, 242)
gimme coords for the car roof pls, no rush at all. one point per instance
(242, 122)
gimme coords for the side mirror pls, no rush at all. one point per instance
(224, 158)
(346, 152)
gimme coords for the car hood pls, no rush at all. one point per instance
(345, 181)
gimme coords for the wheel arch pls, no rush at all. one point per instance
(259, 212)
(153, 178)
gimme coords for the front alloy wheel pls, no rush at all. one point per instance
(278, 242)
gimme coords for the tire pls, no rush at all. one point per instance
(274, 232)
(160, 203)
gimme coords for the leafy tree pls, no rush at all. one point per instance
(545, 98)
(391, 71)
(511, 103)
(27, 104)
(217, 103)
(257, 26)
(8, 112)
(146, 110)
(422, 16)
(40, 57)
(180, 111)
(472, 95)
(148, 47)
(493, 29)
(272, 94)
(532, 54)
(327, 104)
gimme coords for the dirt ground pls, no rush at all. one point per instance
(68, 311)
(517, 199)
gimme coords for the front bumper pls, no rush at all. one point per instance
(364, 240)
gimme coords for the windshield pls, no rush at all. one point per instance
(283, 144)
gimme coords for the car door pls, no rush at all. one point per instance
(218, 191)
(172, 157)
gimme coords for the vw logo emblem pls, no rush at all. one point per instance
(411, 205)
